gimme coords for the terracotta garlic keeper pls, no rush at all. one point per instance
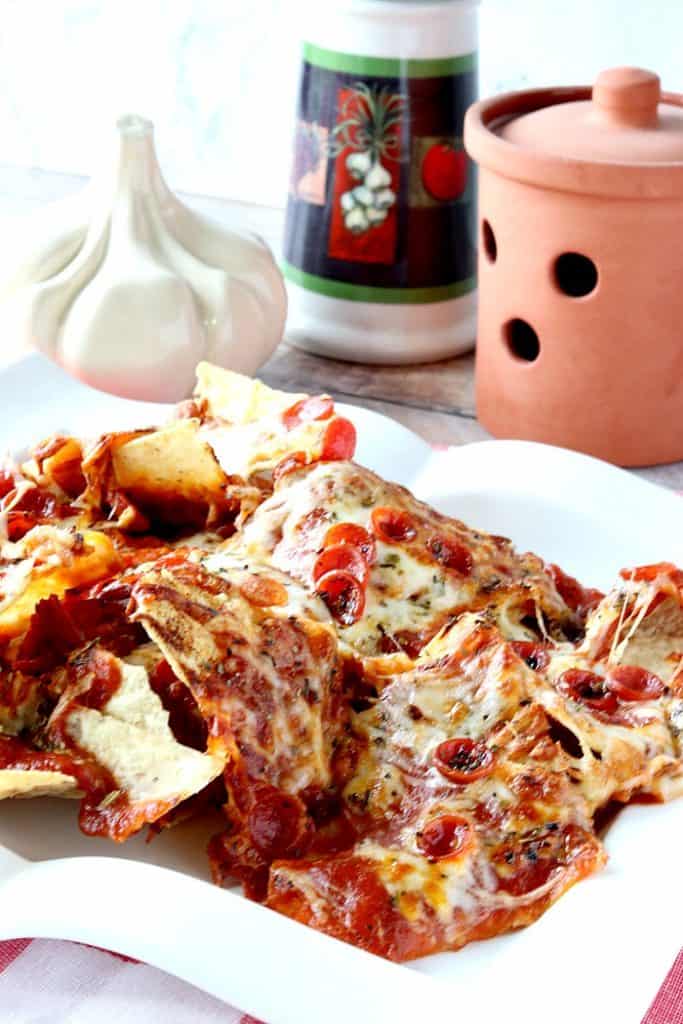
(580, 337)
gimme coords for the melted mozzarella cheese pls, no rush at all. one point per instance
(409, 591)
(404, 594)
(249, 449)
(616, 759)
(238, 568)
(410, 878)
(289, 723)
(287, 727)
(440, 697)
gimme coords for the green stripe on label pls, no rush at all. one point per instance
(368, 293)
(388, 67)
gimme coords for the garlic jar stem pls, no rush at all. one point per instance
(137, 167)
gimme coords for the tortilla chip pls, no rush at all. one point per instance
(239, 399)
(173, 462)
(130, 737)
(16, 782)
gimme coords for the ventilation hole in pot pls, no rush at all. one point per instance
(522, 340)
(575, 275)
(490, 244)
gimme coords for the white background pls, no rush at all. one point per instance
(218, 77)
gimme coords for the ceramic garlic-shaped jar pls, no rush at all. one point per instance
(128, 288)
(581, 266)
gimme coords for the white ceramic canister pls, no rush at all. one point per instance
(380, 241)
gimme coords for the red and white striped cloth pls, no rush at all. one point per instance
(49, 982)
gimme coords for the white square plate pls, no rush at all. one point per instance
(599, 954)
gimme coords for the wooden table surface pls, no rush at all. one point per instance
(435, 400)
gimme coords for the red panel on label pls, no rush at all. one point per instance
(353, 236)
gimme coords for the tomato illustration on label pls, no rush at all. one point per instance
(444, 172)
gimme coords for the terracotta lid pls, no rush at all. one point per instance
(622, 138)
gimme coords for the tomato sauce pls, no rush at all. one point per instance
(580, 599)
(105, 680)
(184, 718)
(91, 778)
(357, 908)
(7, 482)
(58, 627)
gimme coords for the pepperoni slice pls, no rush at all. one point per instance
(587, 687)
(343, 595)
(578, 598)
(7, 482)
(276, 822)
(318, 407)
(290, 463)
(36, 500)
(339, 442)
(647, 573)
(18, 524)
(264, 592)
(393, 525)
(463, 760)
(341, 556)
(629, 682)
(357, 536)
(33, 506)
(535, 655)
(451, 554)
(445, 837)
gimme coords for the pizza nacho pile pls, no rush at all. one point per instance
(409, 726)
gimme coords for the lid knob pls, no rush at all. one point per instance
(628, 96)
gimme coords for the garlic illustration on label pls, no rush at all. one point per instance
(368, 125)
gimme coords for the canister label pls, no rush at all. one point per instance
(381, 204)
